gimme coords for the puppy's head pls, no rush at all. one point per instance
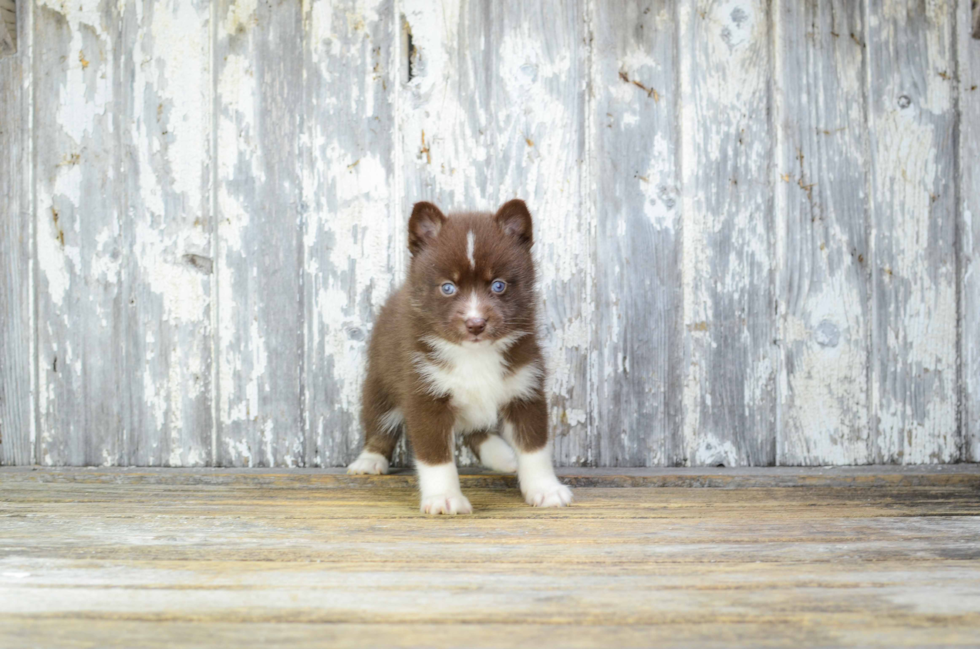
(472, 276)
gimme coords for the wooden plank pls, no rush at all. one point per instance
(82, 632)
(259, 98)
(330, 517)
(444, 149)
(165, 100)
(337, 515)
(65, 305)
(326, 519)
(443, 107)
(638, 222)
(476, 129)
(353, 225)
(822, 248)
(365, 596)
(123, 244)
(968, 211)
(537, 63)
(218, 563)
(726, 151)
(16, 277)
(911, 129)
(867, 477)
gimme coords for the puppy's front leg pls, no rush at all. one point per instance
(526, 429)
(430, 425)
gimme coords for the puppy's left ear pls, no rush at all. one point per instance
(514, 219)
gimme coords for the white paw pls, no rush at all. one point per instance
(548, 494)
(368, 463)
(497, 455)
(449, 503)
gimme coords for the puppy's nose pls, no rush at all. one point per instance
(476, 325)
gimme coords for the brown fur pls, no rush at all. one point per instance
(418, 310)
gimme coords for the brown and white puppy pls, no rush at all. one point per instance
(454, 352)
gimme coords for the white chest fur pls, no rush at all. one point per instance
(476, 379)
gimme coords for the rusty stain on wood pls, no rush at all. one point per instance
(425, 150)
(651, 92)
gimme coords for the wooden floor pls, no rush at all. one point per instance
(673, 558)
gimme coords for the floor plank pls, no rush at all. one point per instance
(115, 558)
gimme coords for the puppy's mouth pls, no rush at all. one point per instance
(485, 337)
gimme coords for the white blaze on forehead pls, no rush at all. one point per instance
(474, 307)
(470, 245)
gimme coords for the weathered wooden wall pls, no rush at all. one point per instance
(757, 221)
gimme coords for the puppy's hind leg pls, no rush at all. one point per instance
(382, 428)
(376, 456)
(494, 453)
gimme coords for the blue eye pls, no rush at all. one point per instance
(448, 288)
(499, 286)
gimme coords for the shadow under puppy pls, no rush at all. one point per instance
(455, 351)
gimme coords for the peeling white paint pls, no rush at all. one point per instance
(658, 186)
(241, 16)
(239, 452)
(914, 373)
(724, 78)
(51, 261)
(185, 83)
(83, 104)
(968, 62)
(712, 451)
(442, 142)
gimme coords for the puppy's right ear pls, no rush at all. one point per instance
(424, 226)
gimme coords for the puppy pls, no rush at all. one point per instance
(454, 352)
